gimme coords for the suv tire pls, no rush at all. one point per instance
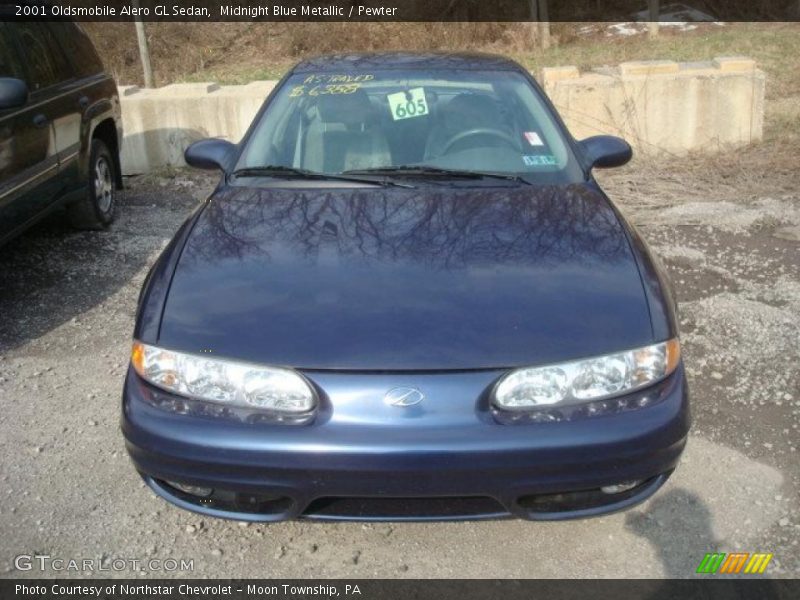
(96, 210)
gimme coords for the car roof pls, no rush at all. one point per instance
(407, 60)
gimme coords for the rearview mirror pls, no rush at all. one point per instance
(605, 151)
(209, 154)
(13, 93)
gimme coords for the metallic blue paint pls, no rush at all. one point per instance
(431, 278)
(442, 288)
(448, 445)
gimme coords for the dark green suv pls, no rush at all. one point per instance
(60, 128)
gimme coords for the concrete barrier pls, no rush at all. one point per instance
(658, 106)
(663, 106)
(159, 123)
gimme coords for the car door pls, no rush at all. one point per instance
(28, 156)
(70, 99)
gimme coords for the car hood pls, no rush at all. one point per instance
(430, 278)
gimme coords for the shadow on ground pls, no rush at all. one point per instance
(675, 518)
(52, 273)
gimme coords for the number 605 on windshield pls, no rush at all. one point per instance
(405, 105)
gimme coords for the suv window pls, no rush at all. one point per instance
(45, 67)
(9, 60)
(78, 47)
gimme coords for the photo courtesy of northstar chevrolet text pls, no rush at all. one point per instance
(333, 292)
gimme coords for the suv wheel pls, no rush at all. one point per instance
(96, 210)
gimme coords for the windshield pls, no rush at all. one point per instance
(446, 119)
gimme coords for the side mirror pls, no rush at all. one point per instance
(13, 93)
(605, 151)
(209, 154)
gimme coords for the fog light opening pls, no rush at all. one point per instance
(192, 490)
(619, 487)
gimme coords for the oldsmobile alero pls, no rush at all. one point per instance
(407, 298)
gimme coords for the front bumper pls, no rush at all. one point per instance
(363, 460)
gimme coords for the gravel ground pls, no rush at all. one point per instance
(68, 490)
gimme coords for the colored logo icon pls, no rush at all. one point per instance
(734, 563)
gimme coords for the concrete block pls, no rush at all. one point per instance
(187, 89)
(695, 107)
(734, 63)
(553, 74)
(648, 67)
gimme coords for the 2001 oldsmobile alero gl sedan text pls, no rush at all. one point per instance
(407, 298)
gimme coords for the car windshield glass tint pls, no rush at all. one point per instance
(493, 122)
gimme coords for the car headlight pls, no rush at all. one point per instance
(588, 380)
(225, 382)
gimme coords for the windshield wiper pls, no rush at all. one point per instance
(425, 170)
(297, 173)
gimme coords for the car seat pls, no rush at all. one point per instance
(345, 135)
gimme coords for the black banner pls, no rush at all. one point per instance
(420, 589)
(401, 10)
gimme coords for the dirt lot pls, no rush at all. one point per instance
(730, 237)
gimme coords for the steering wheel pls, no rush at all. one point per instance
(476, 132)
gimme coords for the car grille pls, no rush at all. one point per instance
(450, 507)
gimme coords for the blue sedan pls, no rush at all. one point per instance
(407, 298)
